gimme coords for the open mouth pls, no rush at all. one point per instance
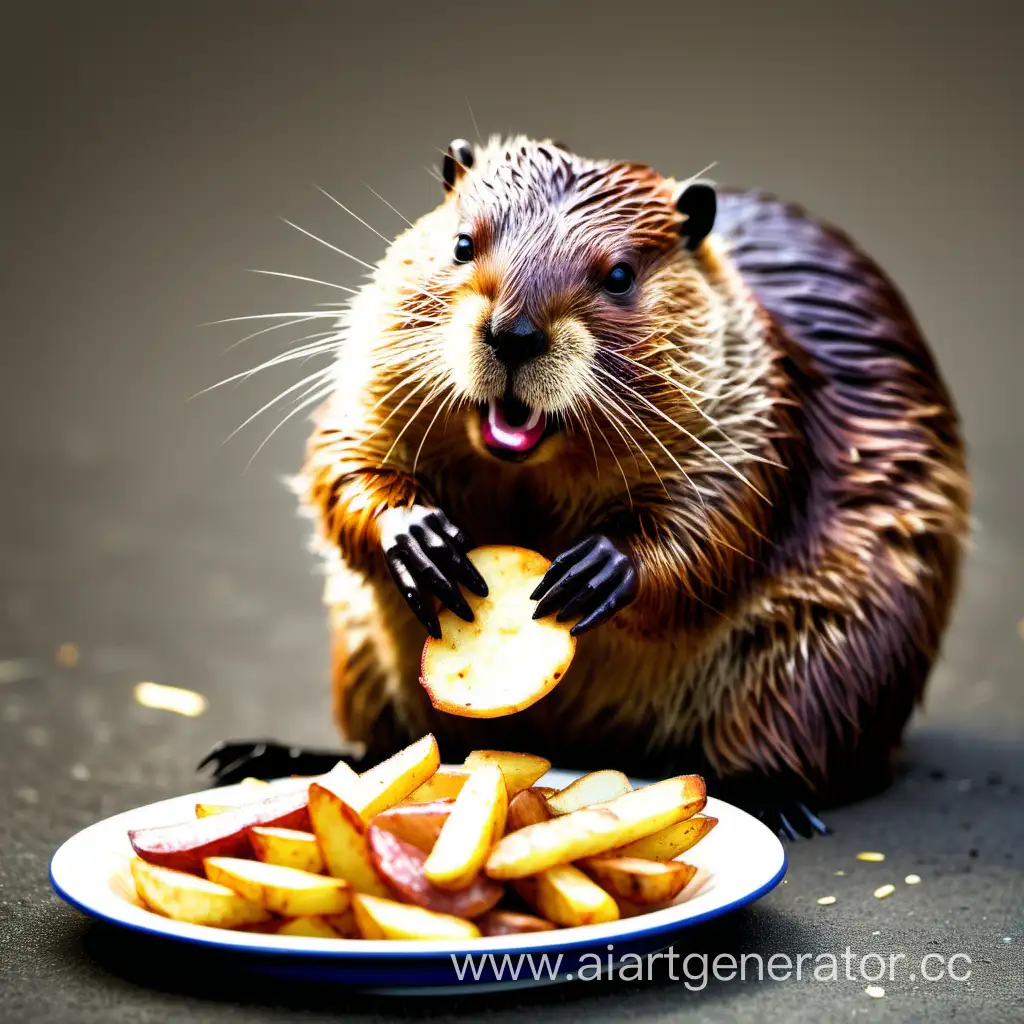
(510, 428)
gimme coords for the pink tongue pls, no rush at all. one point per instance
(499, 433)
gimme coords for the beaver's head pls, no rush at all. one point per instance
(557, 291)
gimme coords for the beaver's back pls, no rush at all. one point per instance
(880, 422)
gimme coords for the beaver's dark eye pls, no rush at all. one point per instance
(620, 279)
(463, 249)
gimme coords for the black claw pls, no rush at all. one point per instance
(561, 564)
(470, 577)
(814, 821)
(423, 608)
(426, 554)
(785, 830)
(593, 579)
(790, 819)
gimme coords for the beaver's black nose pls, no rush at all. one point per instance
(518, 344)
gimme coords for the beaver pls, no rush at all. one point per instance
(712, 410)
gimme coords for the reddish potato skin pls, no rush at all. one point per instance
(508, 922)
(400, 864)
(418, 824)
(186, 845)
(528, 807)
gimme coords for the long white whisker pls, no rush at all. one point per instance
(278, 360)
(390, 207)
(412, 419)
(476, 127)
(310, 280)
(629, 494)
(309, 314)
(423, 440)
(657, 440)
(575, 411)
(709, 419)
(355, 215)
(267, 330)
(363, 263)
(384, 422)
(629, 434)
(303, 403)
(668, 419)
(295, 387)
(334, 248)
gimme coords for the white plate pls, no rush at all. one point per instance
(739, 861)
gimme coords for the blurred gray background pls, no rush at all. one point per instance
(149, 150)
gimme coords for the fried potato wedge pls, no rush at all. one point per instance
(565, 895)
(504, 660)
(287, 847)
(419, 824)
(637, 880)
(668, 843)
(444, 784)
(285, 891)
(476, 820)
(385, 784)
(185, 846)
(527, 808)
(341, 833)
(344, 924)
(520, 770)
(400, 864)
(309, 928)
(597, 828)
(387, 919)
(340, 779)
(594, 788)
(187, 897)
(508, 922)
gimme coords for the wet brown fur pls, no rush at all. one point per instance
(763, 427)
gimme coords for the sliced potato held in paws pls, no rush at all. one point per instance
(504, 660)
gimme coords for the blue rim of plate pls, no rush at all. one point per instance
(350, 953)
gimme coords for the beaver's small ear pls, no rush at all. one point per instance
(457, 161)
(698, 203)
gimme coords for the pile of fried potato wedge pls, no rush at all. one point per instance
(413, 850)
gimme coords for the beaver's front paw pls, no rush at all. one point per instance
(426, 555)
(788, 817)
(595, 579)
(234, 760)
